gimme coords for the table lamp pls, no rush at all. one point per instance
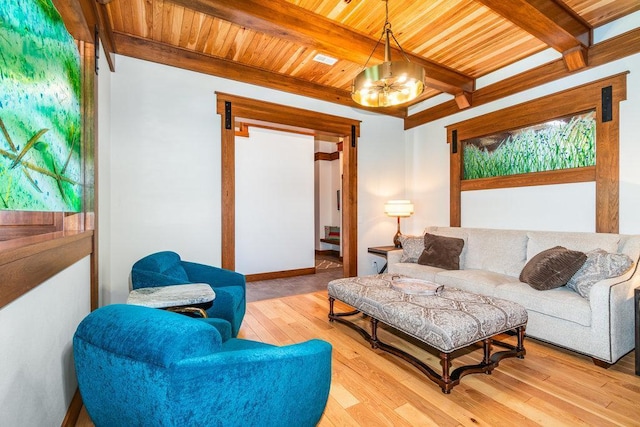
(398, 208)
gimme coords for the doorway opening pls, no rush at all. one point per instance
(234, 109)
(328, 201)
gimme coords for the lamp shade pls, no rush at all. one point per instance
(398, 208)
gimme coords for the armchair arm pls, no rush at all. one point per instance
(261, 385)
(150, 279)
(214, 276)
(230, 291)
(222, 325)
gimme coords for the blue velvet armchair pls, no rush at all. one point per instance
(138, 366)
(166, 268)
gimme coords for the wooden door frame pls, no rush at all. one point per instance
(231, 108)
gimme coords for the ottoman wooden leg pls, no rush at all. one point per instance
(374, 333)
(520, 347)
(334, 316)
(445, 361)
(486, 360)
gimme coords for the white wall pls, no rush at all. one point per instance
(164, 175)
(165, 168)
(569, 207)
(274, 201)
(36, 331)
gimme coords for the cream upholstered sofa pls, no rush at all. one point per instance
(600, 326)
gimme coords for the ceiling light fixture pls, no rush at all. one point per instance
(390, 83)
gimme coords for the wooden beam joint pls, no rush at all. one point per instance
(463, 99)
(575, 58)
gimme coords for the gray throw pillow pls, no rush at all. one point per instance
(441, 252)
(600, 265)
(412, 247)
(552, 268)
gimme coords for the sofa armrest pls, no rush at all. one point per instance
(393, 257)
(612, 310)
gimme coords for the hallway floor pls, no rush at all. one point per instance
(277, 288)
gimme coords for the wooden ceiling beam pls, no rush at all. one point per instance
(105, 33)
(551, 23)
(281, 19)
(599, 54)
(187, 59)
(78, 18)
(81, 17)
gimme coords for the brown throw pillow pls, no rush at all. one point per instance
(552, 268)
(441, 252)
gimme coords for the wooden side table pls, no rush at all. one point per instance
(382, 251)
(636, 300)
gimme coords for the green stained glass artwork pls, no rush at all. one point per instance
(40, 120)
(562, 143)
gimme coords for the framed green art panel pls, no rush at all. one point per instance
(42, 152)
(562, 143)
(567, 137)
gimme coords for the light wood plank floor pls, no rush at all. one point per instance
(549, 387)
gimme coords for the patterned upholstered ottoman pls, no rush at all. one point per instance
(447, 321)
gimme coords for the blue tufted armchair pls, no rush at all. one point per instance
(166, 268)
(138, 366)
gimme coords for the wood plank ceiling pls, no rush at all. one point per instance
(272, 43)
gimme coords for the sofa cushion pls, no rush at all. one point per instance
(502, 251)
(478, 281)
(553, 302)
(412, 247)
(552, 268)
(583, 242)
(599, 265)
(417, 271)
(441, 252)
